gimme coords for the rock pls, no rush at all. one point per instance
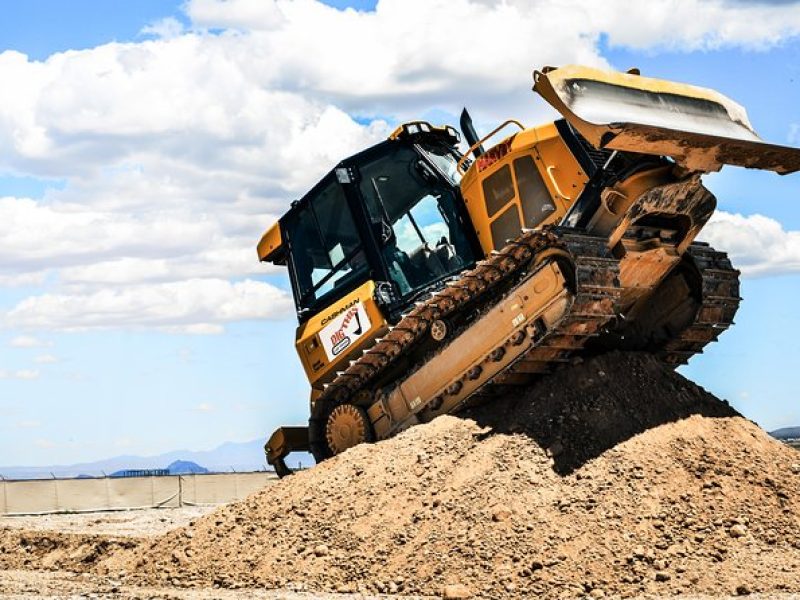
(501, 513)
(662, 576)
(456, 591)
(743, 590)
(555, 449)
(738, 531)
(321, 550)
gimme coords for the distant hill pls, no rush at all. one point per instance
(786, 433)
(185, 467)
(238, 456)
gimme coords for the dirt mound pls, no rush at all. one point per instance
(615, 476)
(52, 550)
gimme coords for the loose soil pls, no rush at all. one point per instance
(615, 476)
(135, 523)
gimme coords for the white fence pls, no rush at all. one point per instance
(42, 496)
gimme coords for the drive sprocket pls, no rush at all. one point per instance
(347, 426)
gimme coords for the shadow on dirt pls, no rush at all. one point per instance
(582, 410)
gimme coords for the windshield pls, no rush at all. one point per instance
(326, 249)
(415, 217)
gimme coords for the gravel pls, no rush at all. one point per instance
(647, 484)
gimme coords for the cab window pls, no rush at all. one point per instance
(326, 249)
(415, 218)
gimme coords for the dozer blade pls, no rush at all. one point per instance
(283, 442)
(699, 128)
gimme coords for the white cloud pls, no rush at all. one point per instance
(35, 235)
(29, 341)
(235, 14)
(756, 244)
(22, 374)
(167, 28)
(687, 25)
(204, 407)
(28, 424)
(223, 260)
(191, 306)
(32, 278)
(177, 152)
(45, 359)
(27, 374)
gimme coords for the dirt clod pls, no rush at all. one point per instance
(456, 591)
(738, 530)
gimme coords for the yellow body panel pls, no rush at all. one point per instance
(559, 171)
(334, 336)
(270, 243)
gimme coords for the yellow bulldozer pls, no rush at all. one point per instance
(427, 280)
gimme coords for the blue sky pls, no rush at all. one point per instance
(144, 147)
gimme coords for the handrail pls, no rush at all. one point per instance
(486, 137)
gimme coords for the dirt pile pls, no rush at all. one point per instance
(52, 550)
(615, 476)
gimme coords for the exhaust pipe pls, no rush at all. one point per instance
(468, 129)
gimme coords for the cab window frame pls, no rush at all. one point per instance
(306, 295)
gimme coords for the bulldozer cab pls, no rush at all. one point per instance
(391, 214)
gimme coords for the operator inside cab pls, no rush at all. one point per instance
(395, 215)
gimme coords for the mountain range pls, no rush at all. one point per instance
(786, 433)
(230, 456)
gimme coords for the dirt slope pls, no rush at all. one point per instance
(616, 476)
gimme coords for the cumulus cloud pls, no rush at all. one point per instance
(756, 244)
(22, 374)
(45, 359)
(193, 306)
(177, 151)
(167, 28)
(29, 341)
(236, 14)
(686, 25)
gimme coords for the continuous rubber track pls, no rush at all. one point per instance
(720, 301)
(593, 309)
(472, 288)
